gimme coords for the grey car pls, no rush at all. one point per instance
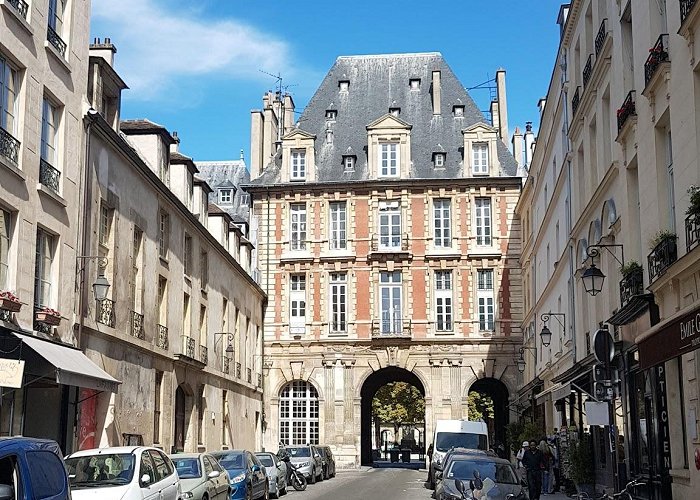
(329, 461)
(276, 473)
(500, 481)
(201, 477)
(308, 460)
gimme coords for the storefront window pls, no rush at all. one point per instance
(642, 421)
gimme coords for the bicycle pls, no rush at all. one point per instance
(625, 494)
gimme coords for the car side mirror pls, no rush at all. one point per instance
(7, 492)
(214, 474)
(145, 480)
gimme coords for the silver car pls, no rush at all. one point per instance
(201, 477)
(308, 461)
(276, 473)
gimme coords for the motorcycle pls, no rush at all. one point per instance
(297, 478)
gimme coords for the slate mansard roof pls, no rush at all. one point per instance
(377, 83)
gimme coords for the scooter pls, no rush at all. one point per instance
(297, 478)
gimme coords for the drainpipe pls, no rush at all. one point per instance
(267, 294)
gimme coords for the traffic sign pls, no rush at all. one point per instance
(603, 346)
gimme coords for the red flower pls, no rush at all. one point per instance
(6, 294)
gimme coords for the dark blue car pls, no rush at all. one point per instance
(32, 468)
(248, 475)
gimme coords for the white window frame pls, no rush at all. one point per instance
(485, 301)
(299, 414)
(444, 312)
(297, 304)
(389, 225)
(298, 165)
(338, 215)
(480, 158)
(483, 221)
(5, 241)
(388, 159)
(50, 124)
(439, 160)
(105, 229)
(390, 303)
(338, 293)
(297, 226)
(226, 196)
(442, 222)
(43, 268)
(57, 10)
(349, 162)
(9, 88)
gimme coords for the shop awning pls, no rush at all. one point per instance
(563, 391)
(72, 366)
(671, 338)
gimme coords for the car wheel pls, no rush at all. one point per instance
(312, 480)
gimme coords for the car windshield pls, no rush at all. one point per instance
(499, 473)
(266, 460)
(448, 440)
(299, 452)
(97, 471)
(231, 461)
(187, 468)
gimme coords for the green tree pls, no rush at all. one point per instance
(398, 403)
(479, 406)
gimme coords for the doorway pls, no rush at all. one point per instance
(488, 399)
(179, 439)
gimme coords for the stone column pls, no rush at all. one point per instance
(329, 433)
(456, 388)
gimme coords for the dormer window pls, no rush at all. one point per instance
(344, 85)
(245, 199)
(480, 158)
(414, 83)
(298, 165)
(331, 114)
(225, 196)
(439, 160)
(349, 163)
(395, 111)
(389, 159)
(458, 110)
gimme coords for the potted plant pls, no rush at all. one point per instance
(661, 236)
(630, 268)
(694, 206)
(581, 464)
(48, 316)
(9, 301)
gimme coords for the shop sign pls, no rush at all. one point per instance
(11, 373)
(662, 418)
(676, 338)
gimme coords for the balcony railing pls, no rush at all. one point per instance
(259, 379)
(249, 375)
(601, 36)
(137, 325)
(56, 40)
(631, 285)
(189, 346)
(575, 101)
(587, 70)
(658, 54)
(686, 7)
(661, 257)
(163, 342)
(628, 109)
(692, 232)
(390, 243)
(9, 146)
(226, 364)
(49, 176)
(104, 312)
(203, 354)
(391, 328)
(21, 7)
(238, 370)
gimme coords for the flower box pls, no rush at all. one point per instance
(9, 302)
(48, 318)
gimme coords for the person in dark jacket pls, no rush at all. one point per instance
(533, 461)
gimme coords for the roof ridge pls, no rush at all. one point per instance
(399, 54)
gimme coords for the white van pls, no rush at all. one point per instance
(455, 434)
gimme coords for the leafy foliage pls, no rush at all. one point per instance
(581, 461)
(398, 403)
(630, 267)
(517, 432)
(694, 198)
(479, 406)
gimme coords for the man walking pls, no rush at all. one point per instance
(534, 463)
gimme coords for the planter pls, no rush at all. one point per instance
(10, 305)
(48, 319)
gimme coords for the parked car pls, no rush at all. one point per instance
(329, 466)
(494, 477)
(276, 473)
(201, 477)
(122, 473)
(21, 458)
(308, 460)
(248, 475)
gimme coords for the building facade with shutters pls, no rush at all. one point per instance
(388, 247)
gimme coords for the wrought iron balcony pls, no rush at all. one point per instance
(658, 54)
(601, 36)
(203, 354)
(249, 375)
(137, 325)
(631, 285)
(628, 109)
(662, 257)
(189, 346)
(238, 370)
(104, 312)
(21, 7)
(587, 70)
(49, 176)
(575, 101)
(9, 146)
(686, 8)
(391, 328)
(163, 342)
(56, 40)
(226, 364)
(692, 232)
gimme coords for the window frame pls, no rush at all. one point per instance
(5, 247)
(390, 240)
(44, 268)
(297, 303)
(483, 221)
(9, 73)
(444, 307)
(389, 166)
(299, 414)
(480, 158)
(297, 228)
(485, 298)
(442, 222)
(50, 131)
(225, 196)
(187, 254)
(338, 302)
(297, 161)
(163, 234)
(439, 160)
(338, 225)
(137, 270)
(391, 320)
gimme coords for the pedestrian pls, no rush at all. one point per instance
(533, 462)
(519, 458)
(554, 465)
(546, 465)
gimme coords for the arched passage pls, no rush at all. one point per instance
(370, 387)
(498, 392)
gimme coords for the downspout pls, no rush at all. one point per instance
(267, 298)
(572, 250)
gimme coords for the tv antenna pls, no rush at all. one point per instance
(282, 91)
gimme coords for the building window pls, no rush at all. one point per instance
(349, 163)
(482, 207)
(395, 111)
(298, 165)
(671, 181)
(391, 306)
(344, 85)
(201, 398)
(389, 225)
(163, 233)
(9, 88)
(338, 236)
(484, 297)
(225, 196)
(339, 297)
(414, 83)
(299, 409)
(388, 159)
(480, 158)
(458, 111)
(204, 269)
(187, 257)
(45, 247)
(186, 318)
(331, 114)
(162, 301)
(136, 272)
(224, 418)
(5, 238)
(49, 133)
(442, 216)
(105, 223)
(439, 160)
(443, 301)
(56, 10)
(156, 406)
(298, 226)
(297, 304)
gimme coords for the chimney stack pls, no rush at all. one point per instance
(436, 93)
(529, 142)
(502, 105)
(175, 146)
(104, 49)
(541, 104)
(518, 144)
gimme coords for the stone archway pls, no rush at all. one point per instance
(498, 392)
(370, 387)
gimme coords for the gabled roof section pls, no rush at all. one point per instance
(480, 126)
(389, 121)
(180, 159)
(297, 132)
(144, 126)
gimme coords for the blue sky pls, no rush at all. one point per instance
(195, 67)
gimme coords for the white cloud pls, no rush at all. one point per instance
(157, 46)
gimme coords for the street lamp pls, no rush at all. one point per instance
(593, 278)
(100, 287)
(229, 337)
(546, 336)
(546, 333)
(520, 362)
